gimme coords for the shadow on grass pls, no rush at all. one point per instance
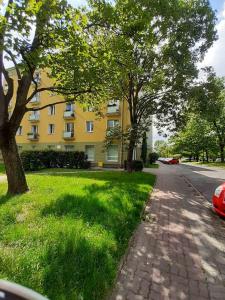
(5, 198)
(111, 207)
(78, 269)
(82, 267)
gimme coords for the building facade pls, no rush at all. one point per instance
(72, 127)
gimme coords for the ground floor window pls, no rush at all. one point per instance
(51, 128)
(113, 153)
(69, 147)
(34, 129)
(90, 152)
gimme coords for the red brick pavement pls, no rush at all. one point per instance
(178, 252)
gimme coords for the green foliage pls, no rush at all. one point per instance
(152, 157)
(163, 148)
(208, 100)
(2, 168)
(67, 235)
(37, 160)
(136, 165)
(151, 63)
(195, 138)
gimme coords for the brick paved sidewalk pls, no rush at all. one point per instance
(179, 251)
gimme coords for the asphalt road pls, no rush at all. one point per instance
(205, 179)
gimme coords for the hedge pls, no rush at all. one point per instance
(36, 160)
(137, 165)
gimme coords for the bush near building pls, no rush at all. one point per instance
(37, 160)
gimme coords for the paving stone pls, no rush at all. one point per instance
(181, 253)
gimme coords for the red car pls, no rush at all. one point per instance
(172, 161)
(218, 200)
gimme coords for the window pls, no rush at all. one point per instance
(112, 123)
(20, 130)
(113, 153)
(90, 152)
(69, 106)
(69, 147)
(51, 128)
(51, 110)
(90, 126)
(69, 127)
(34, 129)
(50, 147)
(113, 106)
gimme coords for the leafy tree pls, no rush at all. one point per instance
(144, 148)
(154, 47)
(196, 138)
(208, 100)
(162, 148)
(37, 34)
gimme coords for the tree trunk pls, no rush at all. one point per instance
(197, 157)
(203, 156)
(17, 183)
(207, 155)
(222, 152)
(130, 155)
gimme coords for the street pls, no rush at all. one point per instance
(204, 179)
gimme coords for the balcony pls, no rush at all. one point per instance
(69, 114)
(33, 136)
(113, 110)
(68, 135)
(34, 118)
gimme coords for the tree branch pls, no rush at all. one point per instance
(47, 105)
(14, 62)
(59, 90)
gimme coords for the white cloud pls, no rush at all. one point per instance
(216, 54)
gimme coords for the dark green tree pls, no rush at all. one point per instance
(207, 99)
(154, 47)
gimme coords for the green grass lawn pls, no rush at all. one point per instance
(65, 237)
(209, 164)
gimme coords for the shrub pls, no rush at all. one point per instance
(36, 160)
(31, 160)
(137, 165)
(152, 157)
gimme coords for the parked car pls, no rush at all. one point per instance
(172, 161)
(218, 200)
(169, 161)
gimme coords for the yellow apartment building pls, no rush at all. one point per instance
(72, 127)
